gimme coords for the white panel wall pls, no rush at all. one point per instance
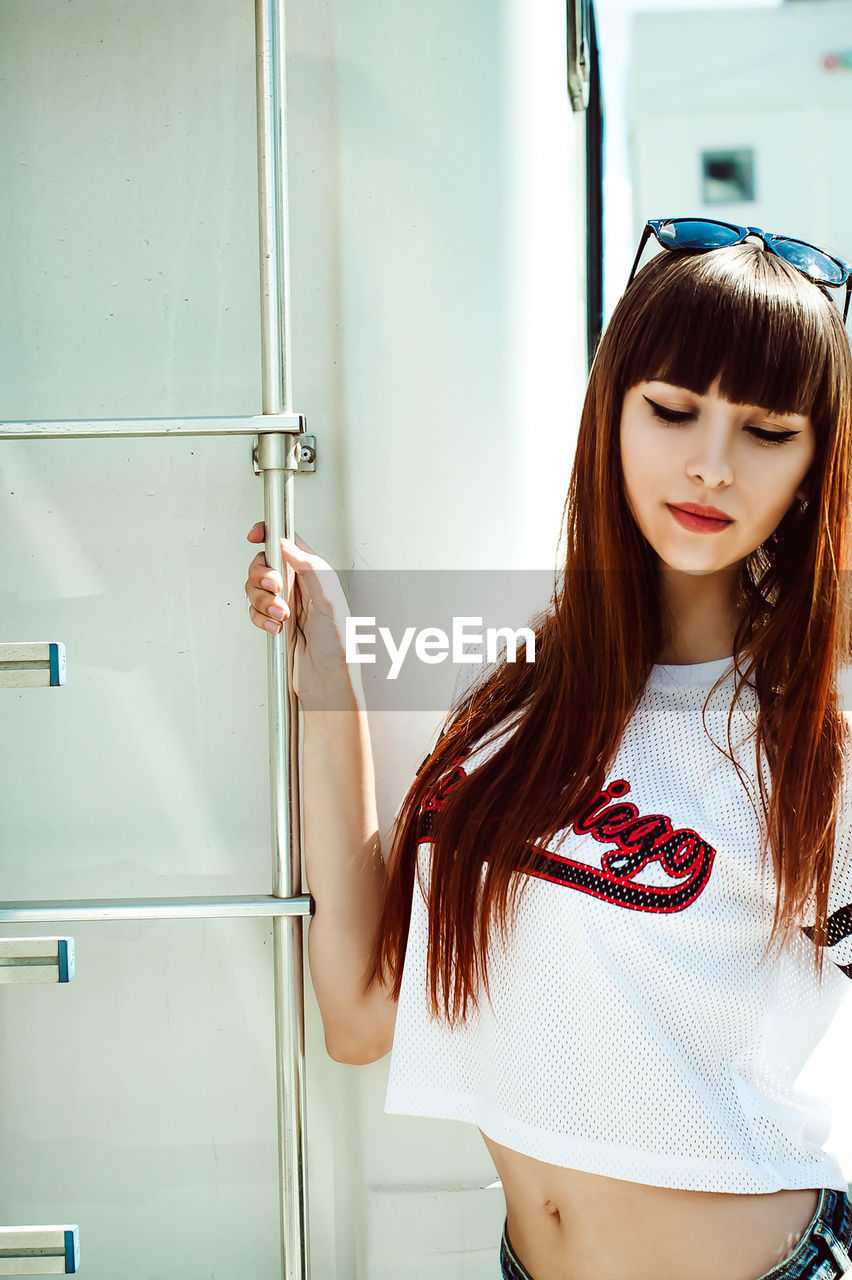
(438, 223)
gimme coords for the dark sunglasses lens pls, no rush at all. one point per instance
(694, 233)
(813, 262)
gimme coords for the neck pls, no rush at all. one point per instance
(703, 614)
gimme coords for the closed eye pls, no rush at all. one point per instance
(676, 416)
(669, 415)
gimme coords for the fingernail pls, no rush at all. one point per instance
(272, 627)
(275, 611)
(269, 583)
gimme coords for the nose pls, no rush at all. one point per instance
(710, 462)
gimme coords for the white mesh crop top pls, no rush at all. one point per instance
(631, 1030)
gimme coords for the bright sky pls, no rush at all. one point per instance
(613, 24)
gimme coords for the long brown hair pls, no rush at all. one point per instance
(775, 340)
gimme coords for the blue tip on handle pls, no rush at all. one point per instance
(72, 1252)
(66, 960)
(57, 665)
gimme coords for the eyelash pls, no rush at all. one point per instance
(673, 419)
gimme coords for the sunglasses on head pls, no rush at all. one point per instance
(707, 233)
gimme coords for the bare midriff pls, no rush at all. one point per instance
(567, 1225)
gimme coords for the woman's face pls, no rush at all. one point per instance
(678, 447)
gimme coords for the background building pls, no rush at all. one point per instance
(744, 115)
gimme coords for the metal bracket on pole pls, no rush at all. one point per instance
(284, 451)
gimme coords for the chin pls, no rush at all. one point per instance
(680, 563)
(688, 569)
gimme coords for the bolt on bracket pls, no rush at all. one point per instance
(284, 451)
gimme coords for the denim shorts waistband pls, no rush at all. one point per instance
(823, 1251)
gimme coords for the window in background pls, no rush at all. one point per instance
(727, 176)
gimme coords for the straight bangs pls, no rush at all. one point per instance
(737, 313)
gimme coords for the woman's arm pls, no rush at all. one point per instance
(343, 860)
(345, 875)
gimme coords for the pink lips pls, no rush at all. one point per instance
(694, 509)
(711, 521)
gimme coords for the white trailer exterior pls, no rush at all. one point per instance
(438, 301)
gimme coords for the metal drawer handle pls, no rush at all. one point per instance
(32, 666)
(39, 1251)
(36, 960)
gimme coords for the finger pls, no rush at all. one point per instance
(261, 575)
(318, 579)
(269, 603)
(298, 554)
(263, 623)
(302, 566)
(274, 610)
(257, 533)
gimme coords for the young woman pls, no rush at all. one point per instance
(616, 914)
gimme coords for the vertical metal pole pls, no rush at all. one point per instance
(275, 460)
